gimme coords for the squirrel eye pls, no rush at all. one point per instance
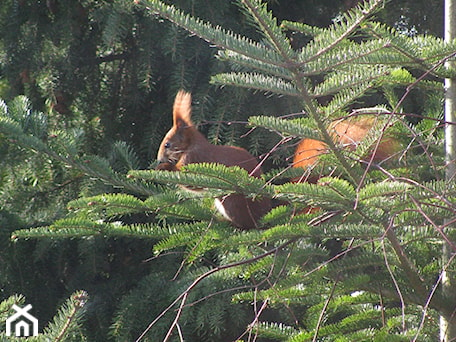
(167, 145)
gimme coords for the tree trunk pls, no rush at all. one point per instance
(448, 323)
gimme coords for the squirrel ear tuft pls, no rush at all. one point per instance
(182, 110)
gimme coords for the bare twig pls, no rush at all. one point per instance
(183, 296)
(328, 300)
(396, 285)
(431, 295)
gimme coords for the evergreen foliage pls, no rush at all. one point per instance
(365, 266)
(66, 325)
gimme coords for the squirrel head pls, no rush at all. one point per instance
(178, 139)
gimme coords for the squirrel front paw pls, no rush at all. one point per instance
(166, 167)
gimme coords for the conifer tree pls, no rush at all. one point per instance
(382, 284)
(97, 84)
(66, 325)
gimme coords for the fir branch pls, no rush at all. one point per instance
(181, 205)
(256, 81)
(415, 280)
(345, 97)
(124, 157)
(268, 26)
(6, 304)
(183, 296)
(296, 128)
(93, 166)
(111, 205)
(69, 315)
(303, 88)
(276, 331)
(303, 28)
(354, 19)
(321, 124)
(383, 189)
(241, 63)
(215, 35)
(215, 177)
(350, 53)
(350, 77)
(189, 235)
(64, 228)
(82, 227)
(415, 50)
(329, 191)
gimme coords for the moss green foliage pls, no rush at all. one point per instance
(65, 326)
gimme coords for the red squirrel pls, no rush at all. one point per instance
(184, 144)
(348, 133)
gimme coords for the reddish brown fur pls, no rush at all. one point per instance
(184, 145)
(347, 133)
